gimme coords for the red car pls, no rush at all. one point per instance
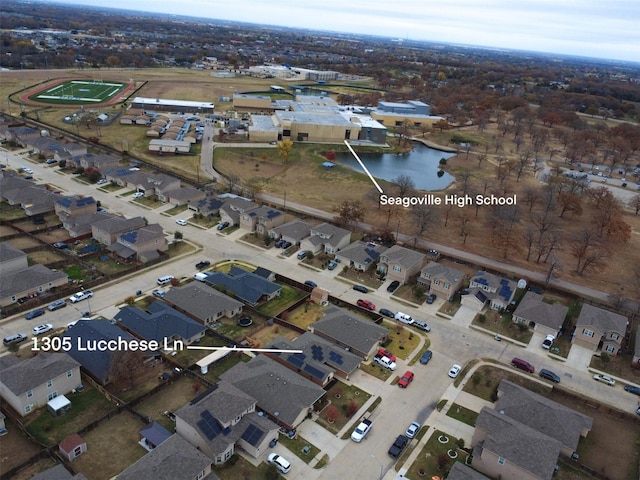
(406, 379)
(366, 304)
(386, 353)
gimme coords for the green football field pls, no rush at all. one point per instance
(80, 92)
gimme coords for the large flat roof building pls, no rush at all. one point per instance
(169, 105)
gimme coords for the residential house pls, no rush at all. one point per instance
(106, 231)
(96, 363)
(524, 435)
(284, 396)
(161, 323)
(326, 238)
(59, 472)
(361, 255)
(29, 282)
(233, 207)
(546, 318)
(265, 273)
(81, 224)
(118, 176)
(45, 146)
(635, 361)
(100, 161)
(142, 244)
(175, 458)
(12, 188)
(246, 286)
(12, 259)
(319, 360)
(224, 419)
(34, 199)
(460, 471)
(600, 329)
(182, 196)
(72, 447)
(293, 232)
(441, 280)
(19, 135)
(360, 336)
(29, 384)
(71, 151)
(261, 219)
(400, 263)
(209, 206)
(66, 207)
(151, 183)
(152, 435)
(202, 302)
(489, 289)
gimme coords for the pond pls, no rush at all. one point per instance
(421, 164)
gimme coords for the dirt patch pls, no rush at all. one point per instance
(24, 242)
(29, 472)
(170, 398)
(15, 447)
(271, 332)
(305, 315)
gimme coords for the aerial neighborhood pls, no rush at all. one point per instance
(200, 281)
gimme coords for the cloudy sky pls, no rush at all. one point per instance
(604, 28)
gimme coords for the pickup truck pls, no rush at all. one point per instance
(386, 362)
(398, 446)
(361, 430)
(386, 353)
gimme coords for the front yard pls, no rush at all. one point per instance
(403, 340)
(501, 324)
(368, 278)
(339, 405)
(436, 457)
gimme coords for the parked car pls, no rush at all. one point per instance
(280, 462)
(405, 380)
(431, 298)
(421, 325)
(51, 161)
(138, 194)
(102, 181)
(44, 328)
(286, 245)
(522, 365)
(383, 352)
(78, 297)
(604, 379)
(181, 222)
(27, 170)
(302, 254)
(393, 286)
(548, 341)
(222, 225)
(278, 243)
(34, 314)
(332, 264)
(426, 356)
(398, 446)
(412, 430)
(632, 389)
(158, 292)
(366, 304)
(360, 288)
(549, 375)
(387, 313)
(58, 304)
(203, 264)
(15, 338)
(454, 371)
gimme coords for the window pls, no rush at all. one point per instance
(227, 455)
(51, 396)
(397, 268)
(587, 332)
(610, 348)
(40, 289)
(201, 475)
(218, 459)
(427, 275)
(30, 394)
(69, 374)
(615, 336)
(447, 286)
(436, 282)
(77, 451)
(501, 460)
(27, 409)
(50, 384)
(347, 134)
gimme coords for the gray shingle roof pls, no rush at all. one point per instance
(59, 472)
(542, 414)
(173, 459)
(329, 233)
(9, 252)
(295, 229)
(402, 256)
(247, 286)
(158, 322)
(35, 371)
(532, 308)
(28, 279)
(437, 270)
(143, 234)
(460, 471)
(602, 320)
(519, 444)
(359, 333)
(363, 253)
(277, 390)
(201, 301)
(119, 224)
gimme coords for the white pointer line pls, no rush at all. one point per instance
(236, 349)
(363, 167)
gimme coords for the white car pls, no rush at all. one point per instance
(44, 328)
(181, 222)
(546, 344)
(412, 430)
(102, 181)
(604, 379)
(78, 297)
(27, 170)
(138, 195)
(280, 462)
(454, 371)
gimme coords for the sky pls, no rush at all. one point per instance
(602, 29)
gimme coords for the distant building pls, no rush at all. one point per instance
(168, 105)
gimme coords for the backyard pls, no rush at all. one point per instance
(288, 296)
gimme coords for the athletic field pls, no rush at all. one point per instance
(80, 92)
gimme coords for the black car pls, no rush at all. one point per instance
(426, 356)
(431, 298)
(398, 446)
(279, 243)
(203, 264)
(360, 288)
(632, 389)
(286, 245)
(393, 286)
(222, 226)
(311, 283)
(387, 313)
(549, 375)
(34, 313)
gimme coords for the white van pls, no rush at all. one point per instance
(166, 280)
(200, 276)
(404, 318)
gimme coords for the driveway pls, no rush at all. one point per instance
(464, 316)
(579, 357)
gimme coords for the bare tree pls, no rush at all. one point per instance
(588, 249)
(634, 204)
(122, 369)
(349, 212)
(424, 217)
(531, 195)
(405, 185)
(232, 181)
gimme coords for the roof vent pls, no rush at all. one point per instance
(501, 412)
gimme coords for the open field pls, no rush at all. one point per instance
(78, 92)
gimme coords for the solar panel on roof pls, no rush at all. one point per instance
(335, 357)
(482, 281)
(252, 435)
(316, 353)
(209, 425)
(314, 371)
(296, 360)
(504, 281)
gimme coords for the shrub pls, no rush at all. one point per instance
(130, 300)
(332, 413)
(352, 408)
(443, 460)
(482, 318)
(443, 161)
(460, 443)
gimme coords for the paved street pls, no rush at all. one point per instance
(452, 341)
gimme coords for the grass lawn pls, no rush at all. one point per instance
(86, 407)
(484, 382)
(179, 248)
(111, 447)
(376, 370)
(502, 324)
(306, 314)
(433, 459)
(449, 308)
(407, 292)
(204, 221)
(368, 278)
(465, 370)
(215, 370)
(403, 340)
(619, 366)
(176, 210)
(186, 357)
(296, 446)
(74, 272)
(288, 296)
(462, 414)
(253, 239)
(241, 469)
(340, 395)
(10, 212)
